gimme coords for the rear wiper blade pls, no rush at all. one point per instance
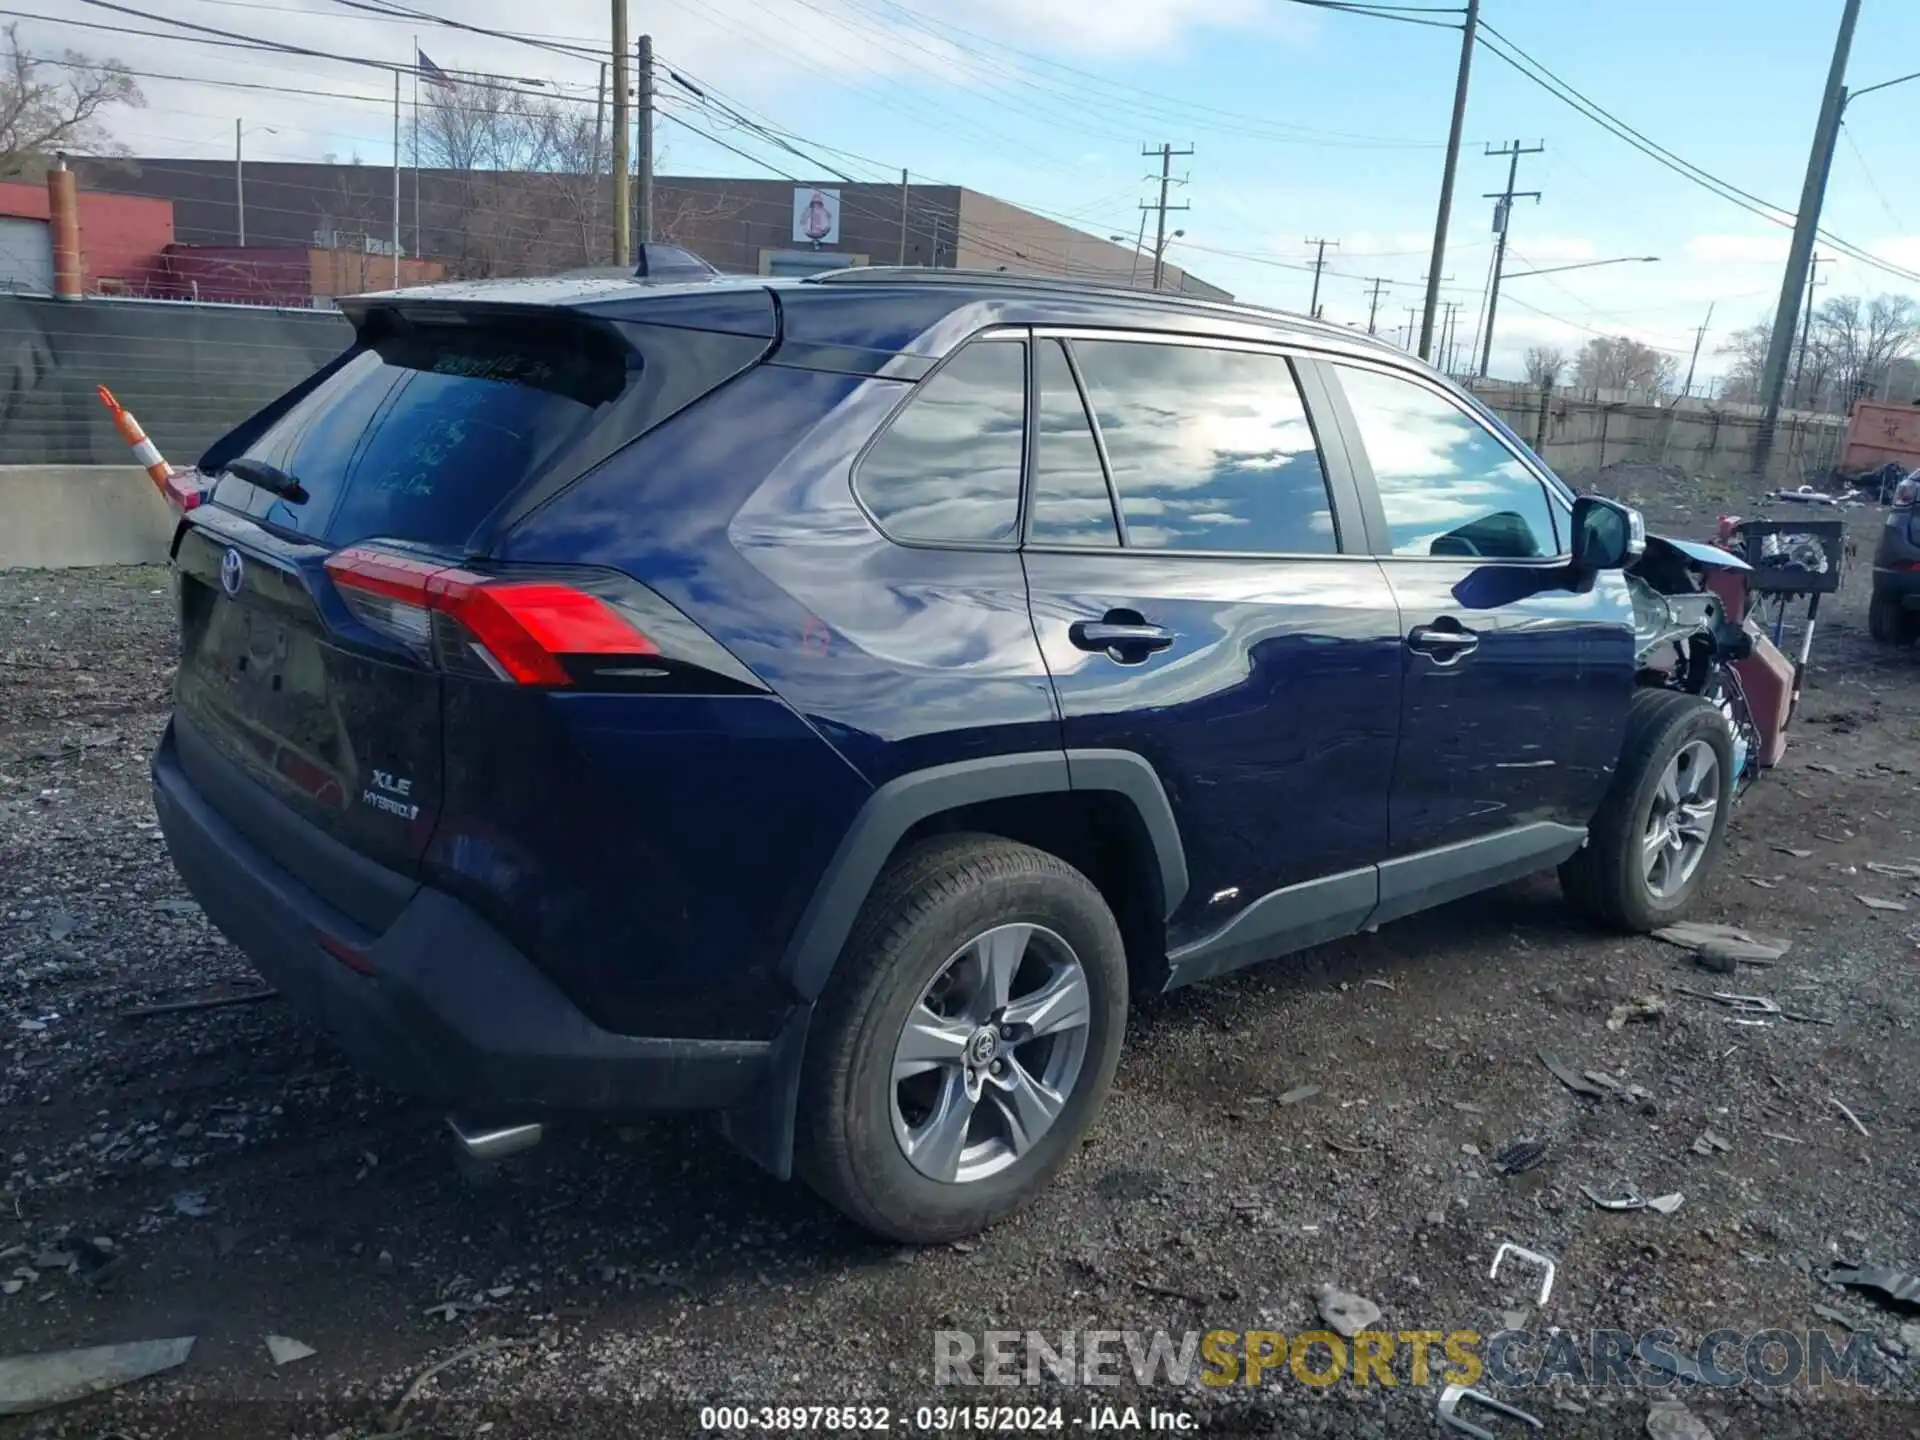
(268, 477)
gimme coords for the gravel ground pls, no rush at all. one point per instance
(221, 1173)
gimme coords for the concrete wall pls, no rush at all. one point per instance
(1700, 439)
(53, 516)
(189, 373)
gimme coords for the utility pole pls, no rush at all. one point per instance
(1319, 264)
(1373, 301)
(1166, 154)
(645, 78)
(1413, 327)
(1445, 213)
(1502, 219)
(1698, 336)
(1806, 322)
(903, 217)
(239, 186)
(396, 179)
(1447, 337)
(593, 185)
(622, 128)
(1806, 225)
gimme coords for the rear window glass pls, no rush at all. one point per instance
(423, 433)
(948, 469)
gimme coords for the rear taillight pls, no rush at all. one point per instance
(518, 630)
(181, 490)
(1905, 493)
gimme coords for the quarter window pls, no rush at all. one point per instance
(1447, 485)
(1210, 449)
(947, 470)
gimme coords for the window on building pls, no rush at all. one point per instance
(1447, 484)
(947, 470)
(1210, 449)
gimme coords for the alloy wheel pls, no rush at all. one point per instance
(1680, 821)
(990, 1053)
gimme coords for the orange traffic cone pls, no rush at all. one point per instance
(182, 497)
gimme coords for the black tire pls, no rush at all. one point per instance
(1888, 621)
(1605, 880)
(927, 905)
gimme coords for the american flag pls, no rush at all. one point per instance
(429, 71)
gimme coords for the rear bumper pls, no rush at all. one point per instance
(450, 1010)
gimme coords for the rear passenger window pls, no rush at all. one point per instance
(1210, 449)
(1071, 505)
(1447, 485)
(947, 470)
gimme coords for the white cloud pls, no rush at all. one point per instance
(1740, 249)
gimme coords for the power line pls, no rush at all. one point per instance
(1774, 214)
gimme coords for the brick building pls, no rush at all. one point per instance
(482, 223)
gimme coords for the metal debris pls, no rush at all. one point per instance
(1835, 1317)
(1567, 1077)
(39, 1382)
(1727, 941)
(1520, 1157)
(1709, 1142)
(1641, 1007)
(1297, 1094)
(1849, 1114)
(285, 1349)
(1874, 902)
(1532, 1257)
(1895, 872)
(1671, 1420)
(181, 1007)
(1630, 1201)
(1791, 850)
(1666, 1204)
(1894, 1284)
(1345, 1312)
(192, 1203)
(1454, 1394)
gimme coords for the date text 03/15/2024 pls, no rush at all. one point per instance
(943, 1419)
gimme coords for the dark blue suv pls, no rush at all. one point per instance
(822, 703)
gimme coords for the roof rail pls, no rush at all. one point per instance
(1173, 299)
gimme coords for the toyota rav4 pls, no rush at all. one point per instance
(823, 703)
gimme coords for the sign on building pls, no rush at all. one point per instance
(816, 216)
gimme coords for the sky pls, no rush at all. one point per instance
(1304, 122)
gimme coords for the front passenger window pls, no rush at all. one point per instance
(1448, 486)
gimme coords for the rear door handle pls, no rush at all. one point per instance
(1444, 645)
(1119, 641)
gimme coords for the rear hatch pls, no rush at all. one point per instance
(336, 575)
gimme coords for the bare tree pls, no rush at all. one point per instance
(1864, 337)
(1619, 362)
(52, 105)
(1545, 364)
(521, 198)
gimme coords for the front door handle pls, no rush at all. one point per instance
(1128, 643)
(1445, 644)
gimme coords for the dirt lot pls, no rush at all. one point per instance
(221, 1174)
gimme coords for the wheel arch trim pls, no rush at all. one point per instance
(907, 800)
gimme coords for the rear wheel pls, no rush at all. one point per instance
(1888, 620)
(1658, 833)
(966, 1041)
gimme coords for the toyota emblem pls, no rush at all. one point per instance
(232, 570)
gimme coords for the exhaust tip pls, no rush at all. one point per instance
(494, 1140)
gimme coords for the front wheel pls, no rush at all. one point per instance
(1888, 621)
(965, 1042)
(1658, 833)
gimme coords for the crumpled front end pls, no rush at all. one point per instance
(1691, 634)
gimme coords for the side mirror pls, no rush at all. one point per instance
(1606, 535)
